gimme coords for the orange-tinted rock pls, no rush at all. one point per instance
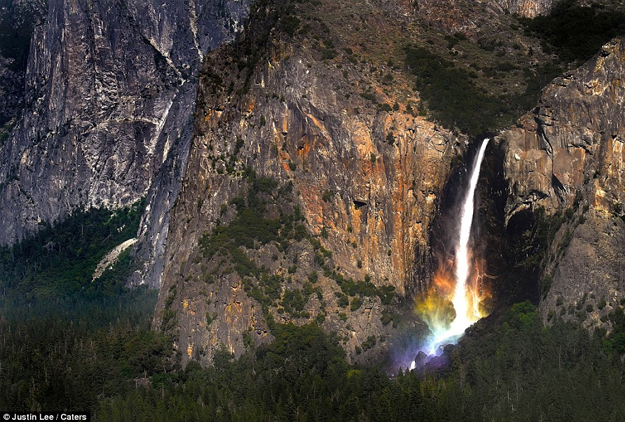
(367, 200)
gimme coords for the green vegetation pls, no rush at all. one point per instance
(250, 225)
(16, 27)
(290, 24)
(293, 302)
(67, 340)
(456, 101)
(227, 249)
(388, 317)
(450, 94)
(251, 228)
(96, 352)
(352, 288)
(355, 304)
(509, 369)
(575, 33)
(68, 353)
(59, 261)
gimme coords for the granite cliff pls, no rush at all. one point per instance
(306, 165)
(311, 128)
(316, 132)
(315, 147)
(108, 104)
(100, 111)
(566, 157)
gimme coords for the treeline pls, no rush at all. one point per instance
(67, 341)
(96, 352)
(456, 101)
(64, 356)
(518, 371)
(451, 95)
(101, 356)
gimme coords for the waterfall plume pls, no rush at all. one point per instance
(452, 304)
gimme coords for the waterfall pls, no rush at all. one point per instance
(465, 316)
(465, 299)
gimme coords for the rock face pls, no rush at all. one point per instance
(573, 140)
(469, 17)
(526, 8)
(311, 175)
(568, 155)
(17, 19)
(110, 92)
(352, 185)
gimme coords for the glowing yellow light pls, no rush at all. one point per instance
(453, 302)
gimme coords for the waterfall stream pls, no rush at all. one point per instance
(465, 299)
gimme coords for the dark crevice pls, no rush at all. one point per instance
(558, 187)
(359, 204)
(502, 244)
(541, 132)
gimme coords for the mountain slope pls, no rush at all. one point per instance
(295, 131)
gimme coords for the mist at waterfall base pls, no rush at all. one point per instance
(452, 303)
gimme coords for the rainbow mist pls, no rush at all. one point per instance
(465, 296)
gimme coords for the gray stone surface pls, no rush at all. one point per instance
(568, 154)
(110, 95)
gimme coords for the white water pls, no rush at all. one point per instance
(466, 315)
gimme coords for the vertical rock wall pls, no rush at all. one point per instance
(567, 156)
(110, 93)
(366, 183)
